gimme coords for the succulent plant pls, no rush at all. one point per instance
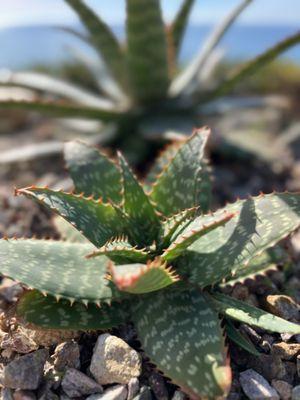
(142, 91)
(152, 253)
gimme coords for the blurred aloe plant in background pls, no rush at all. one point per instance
(143, 92)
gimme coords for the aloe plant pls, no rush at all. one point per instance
(142, 89)
(152, 253)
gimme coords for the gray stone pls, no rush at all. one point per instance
(290, 372)
(24, 395)
(133, 388)
(256, 387)
(118, 392)
(66, 355)
(284, 389)
(48, 395)
(286, 351)
(296, 393)
(76, 384)
(158, 386)
(6, 394)
(44, 391)
(240, 292)
(283, 306)
(10, 290)
(268, 365)
(18, 341)
(25, 372)
(113, 361)
(64, 397)
(145, 394)
(178, 395)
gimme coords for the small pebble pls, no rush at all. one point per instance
(24, 395)
(133, 388)
(296, 393)
(256, 387)
(113, 361)
(178, 395)
(284, 389)
(18, 341)
(76, 384)
(48, 395)
(118, 392)
(158, 386)
(25, 372)
(240, 292)
(6, 394)
(286, 351)
(268, 365)
(66, 355)
(290, 372)
(145, 394)
(283, 306)
(10, 289)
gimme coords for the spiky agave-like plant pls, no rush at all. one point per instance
(153, 255)
(142, 91)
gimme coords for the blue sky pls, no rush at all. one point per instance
(27, 12)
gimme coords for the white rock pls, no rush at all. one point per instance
(296, 393)
(178, 395)
(133, 388)
(114, 361)
(256, 387)
(118, 392)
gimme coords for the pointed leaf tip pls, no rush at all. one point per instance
(142, 278)
(184, 181)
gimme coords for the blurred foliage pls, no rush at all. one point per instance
(280, 76)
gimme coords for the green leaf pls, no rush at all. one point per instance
(243, 312)
(161, 163)
(121, 251)
(196, 229)
(240, 339)
(252, 66)
(103, 40)
(144, 222)
(175, 223)
(186, 81)
(67, 231)
(63, 110)
(179, 24)
(259, 265)
(259, 223)
(92, 172)
(48, 313)
(97, 221)
(146, 50)
(142, 278)
(181, 334)
(180, 185)
(57, 268)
